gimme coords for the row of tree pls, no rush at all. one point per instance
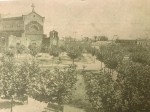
(48, 85)
(128, 93)
(73, 50)
(113, 54)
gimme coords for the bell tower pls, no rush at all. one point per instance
(53, 35)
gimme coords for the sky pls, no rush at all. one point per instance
(79, 18)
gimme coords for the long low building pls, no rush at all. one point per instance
(126, 41)
(143, 42)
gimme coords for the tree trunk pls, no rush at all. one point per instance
(60, 102)
(53, 61)
(73, 61)
(11, 104)
(94, 58)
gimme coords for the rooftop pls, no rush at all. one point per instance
(13, 18)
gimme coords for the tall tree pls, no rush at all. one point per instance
(100, 57)
(13, 78)
(74, 51)
(20, 49)
(56, 85)
(102, 93)
(132, 80)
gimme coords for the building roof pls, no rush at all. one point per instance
(12, 18)
(34, 13)
(19, 17)
(53, 31)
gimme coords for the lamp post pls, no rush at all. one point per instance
(12, 97)
(11, 104)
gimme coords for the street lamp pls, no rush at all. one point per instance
(12, 97)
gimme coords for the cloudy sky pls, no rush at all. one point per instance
(125, 18)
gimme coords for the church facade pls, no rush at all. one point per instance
(25, 29)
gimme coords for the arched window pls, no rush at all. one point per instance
(34, 28)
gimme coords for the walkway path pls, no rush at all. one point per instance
(32, 106)
(80, 92)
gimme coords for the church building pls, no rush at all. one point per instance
(24, 29)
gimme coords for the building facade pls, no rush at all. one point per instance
(143, 42)
(126, 41)
(25, 29)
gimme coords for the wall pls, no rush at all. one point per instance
(33, 17)
(12, 24)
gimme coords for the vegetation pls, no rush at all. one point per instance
(54, 51)
(13, 78)
(101, 92)
(20, 49)
(129, 92)
(74, 51)
(132, 81)
(100, 38)
(34, 49)
(47, 85)
(55, 85)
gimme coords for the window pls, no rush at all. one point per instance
(34, 28)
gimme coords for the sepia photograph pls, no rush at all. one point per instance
(74, 56)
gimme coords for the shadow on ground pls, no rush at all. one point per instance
(7, 104)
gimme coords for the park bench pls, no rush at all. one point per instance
(53, 107)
